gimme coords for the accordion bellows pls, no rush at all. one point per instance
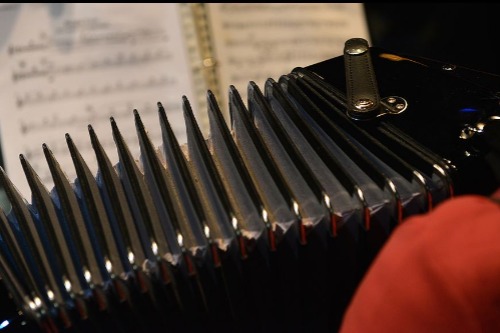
(268, 224)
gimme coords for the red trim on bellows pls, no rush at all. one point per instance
(215, 255)
(272, 239)
(302, 233)
(333, 222)
(243, 249)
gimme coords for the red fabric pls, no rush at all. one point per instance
(438, 272)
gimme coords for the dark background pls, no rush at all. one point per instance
(465, 34)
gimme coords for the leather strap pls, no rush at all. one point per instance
(363, 100)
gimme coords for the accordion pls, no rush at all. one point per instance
(266, 225)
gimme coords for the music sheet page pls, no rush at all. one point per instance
(256, 41)
(66, 65)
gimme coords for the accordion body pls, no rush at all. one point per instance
(268, 224)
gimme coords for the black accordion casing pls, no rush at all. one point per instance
(268, 224)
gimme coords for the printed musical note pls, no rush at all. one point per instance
(65, 66)
(90, 92)
(266, 40)
(47, 68)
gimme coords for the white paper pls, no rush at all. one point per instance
(64, 66)
(257, 41)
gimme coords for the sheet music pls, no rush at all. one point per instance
(255, 41)
(66, 65)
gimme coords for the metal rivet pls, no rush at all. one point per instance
(363, 104)
(356, 50)
(394, 104)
